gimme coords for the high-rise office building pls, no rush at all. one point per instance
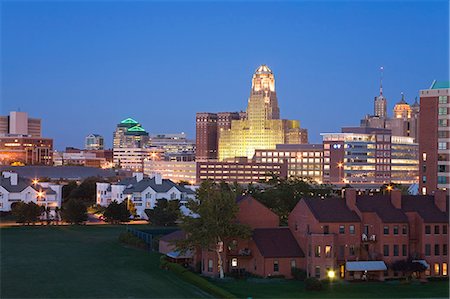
(129, 133)
(434, 138)
(94, 142)
(206, 136)
(369, 156)
(18, 123)
(262, 128)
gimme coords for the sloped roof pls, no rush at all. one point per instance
(276, 242)
(425, 207)
(331, 210)
(440, 84)
(129, 120)
(174, 236)
(143, 184)
(22, 183)
(382, 206)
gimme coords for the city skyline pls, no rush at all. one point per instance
(336, 49)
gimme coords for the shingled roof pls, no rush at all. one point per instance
(425, 207)
(166, 185)
(276, 243)
(331, 210)
(174, 236)
(382, 206)
(22, 184)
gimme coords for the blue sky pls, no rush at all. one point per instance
(84, 66)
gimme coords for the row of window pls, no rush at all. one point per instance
(395, 251)
(437, 250)
(436, 229)
(395, 230)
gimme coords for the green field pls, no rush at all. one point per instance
(82, 262)
(266, 288)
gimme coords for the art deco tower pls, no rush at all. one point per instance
(380, 101)
(263, 128)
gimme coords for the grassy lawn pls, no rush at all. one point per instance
(82, 262)
(292, 289)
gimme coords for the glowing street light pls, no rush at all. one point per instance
(331, 274)
(35, 181)
(340, 165)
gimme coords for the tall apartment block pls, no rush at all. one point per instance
(434, 136)
(21, 142)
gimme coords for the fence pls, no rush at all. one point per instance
(151, 235)
(146, 237)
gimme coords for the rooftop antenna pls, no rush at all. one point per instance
(381, 80)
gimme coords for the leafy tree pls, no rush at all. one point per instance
(408, 267)
(282, 195)
(217, 209)
(68, 189)
(86, 191)
(131, 208)
(116, 213)
(26, 213)
(74, 211)
(165, 213)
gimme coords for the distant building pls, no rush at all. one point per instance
(94, 142)
(21, 142)
(131, 158)
(405, 120)
(14, 188)
(369, 156)
(90, 158)
(302, 160)
(173, 147)
(18, 123)
(129, 133)
(262, 128)
(143, 192)
(172, 170)
(434, 138)
(239, 170)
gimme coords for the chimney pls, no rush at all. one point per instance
(440, 200)
(350, 198)
(14, 179)
(158, 179)
(396, 198)
(138, 175)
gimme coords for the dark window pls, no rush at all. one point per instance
(436, 249)
(404, 250)
(326, 229)
(317, 273)
(351, 250)
(351, 229)
(395, 250)
(210, 265)
(341, 229)
(444, 249)
(427, 250)
(427, 229)
(396, 230)
(436, 229)
(444, 229)
(341, 251)
(404, 230)
(386, 250)
(366, 230)
(386, 230)
(276, 267)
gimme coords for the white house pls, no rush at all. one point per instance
(143, 192)
(14, 188)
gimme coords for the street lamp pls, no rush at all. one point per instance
(340, 165)
(331, 274)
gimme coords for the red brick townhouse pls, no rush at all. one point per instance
(362, 236)
(272, 250)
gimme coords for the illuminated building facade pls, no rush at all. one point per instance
(172, 170)
(131, 158)
(369, 156)
(94, 142)
(129, 133)
(302, 160)
(434, 145)
(20, 150)
(262, 128)
(239, 170)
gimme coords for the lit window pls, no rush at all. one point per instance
(317, 251)
(327, 251)
(234, 262)
(444, 269)
(436, 269)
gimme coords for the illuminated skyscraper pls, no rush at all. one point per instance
(262, 128)
(380, 101)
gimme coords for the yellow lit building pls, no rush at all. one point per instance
(263, 128)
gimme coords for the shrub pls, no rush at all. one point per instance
(198, 281)
(298, 274)
(313, 284)
(130, 239)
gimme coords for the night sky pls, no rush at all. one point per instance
(84, 66)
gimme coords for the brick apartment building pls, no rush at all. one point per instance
(358, 237)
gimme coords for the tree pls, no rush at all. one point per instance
(217, 210)
(165, 213)
(74, 211)
(131, 208)
(86, 191)
(26, 213)
(68, 189)
(408, 267)
(116, 213)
